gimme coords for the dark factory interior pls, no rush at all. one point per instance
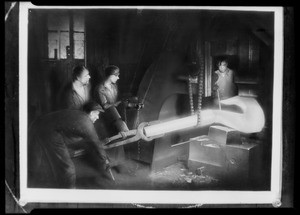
(162, 56)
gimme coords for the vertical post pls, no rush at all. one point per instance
(219, 100)
(71, 36)
(208, 69)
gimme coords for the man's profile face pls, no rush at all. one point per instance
(94, 115)
(84, 77)
(114, 78)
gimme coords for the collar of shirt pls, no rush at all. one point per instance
(223, 73)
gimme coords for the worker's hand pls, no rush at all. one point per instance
(215, 87)
(106, 141)
(117, 103)
(107, 165)
(139, 106)
(125, 102)
(134, 105)
(123, 134)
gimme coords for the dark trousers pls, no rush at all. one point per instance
(50, 165)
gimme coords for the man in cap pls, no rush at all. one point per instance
(50, 138)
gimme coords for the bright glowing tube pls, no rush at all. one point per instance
(250, 121)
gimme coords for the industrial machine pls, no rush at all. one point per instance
(168, 129)
(221, 151)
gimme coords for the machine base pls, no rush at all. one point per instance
(238, 165)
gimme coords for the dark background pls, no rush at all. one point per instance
(132, 40)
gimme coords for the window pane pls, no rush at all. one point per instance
(58, 34)
(79, 49)
(64, 42)
(78, 36)
(59, 38)
(53, 44)
(78, 45)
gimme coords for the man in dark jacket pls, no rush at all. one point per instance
(77, 93)
(50, 137)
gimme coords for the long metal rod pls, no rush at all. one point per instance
(250, 121)
(111, 174)
(207, 117)
(219, 100)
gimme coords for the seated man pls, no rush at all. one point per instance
(49, 161)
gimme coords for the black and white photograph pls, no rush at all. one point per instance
(150, 105)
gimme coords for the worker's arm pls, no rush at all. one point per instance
(73, 101)
(101, 98)
(104, 103)
(90, 135)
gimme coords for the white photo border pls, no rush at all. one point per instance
(29, 195)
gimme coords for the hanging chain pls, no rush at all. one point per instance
(200, 91)
(200, 87)
(191, 95)
(139, 150)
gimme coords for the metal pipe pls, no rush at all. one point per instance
(207, 118)
(250, 121)
(111, 174)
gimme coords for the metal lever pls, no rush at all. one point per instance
(138, 134)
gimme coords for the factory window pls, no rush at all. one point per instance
(78, 35)
(66, 36)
